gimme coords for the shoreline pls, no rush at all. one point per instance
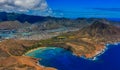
(29, 51)
(99, 53)
(104, 50)
(94, 58)
(38, 63)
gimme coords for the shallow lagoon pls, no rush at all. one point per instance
(64, 60)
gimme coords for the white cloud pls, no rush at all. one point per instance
(2, 1)
(24, 6)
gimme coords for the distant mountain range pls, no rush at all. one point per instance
(10, 20)
(15, 21)
(20, 17)
(4, 16)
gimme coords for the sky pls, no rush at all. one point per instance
(64, 8)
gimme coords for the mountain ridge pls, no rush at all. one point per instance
(101, 29)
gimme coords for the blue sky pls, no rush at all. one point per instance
(64, 8)
(86, 8)
(77, 4)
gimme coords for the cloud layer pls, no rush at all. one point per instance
(24, 6)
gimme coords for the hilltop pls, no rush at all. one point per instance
(101, 30)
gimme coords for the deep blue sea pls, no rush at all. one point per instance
(64, 60)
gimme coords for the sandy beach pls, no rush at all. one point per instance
(33, 50)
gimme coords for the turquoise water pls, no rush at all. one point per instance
(6, 35)
(64, 60)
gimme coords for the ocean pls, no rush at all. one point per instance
(62, 59)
